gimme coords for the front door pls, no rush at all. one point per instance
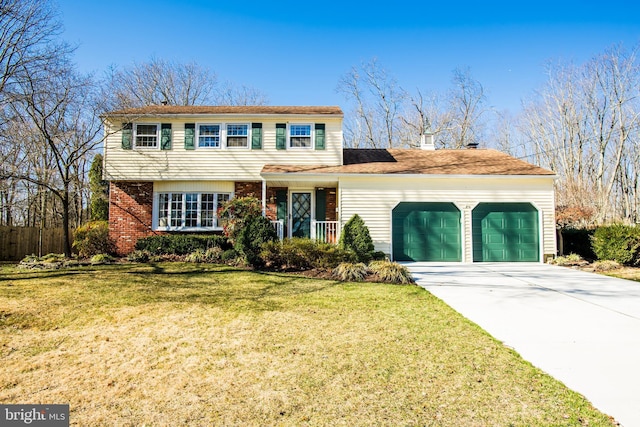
(300, 214)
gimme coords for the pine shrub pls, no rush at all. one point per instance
(355, 238)
(617, 242)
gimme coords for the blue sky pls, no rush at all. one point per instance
(296, 52)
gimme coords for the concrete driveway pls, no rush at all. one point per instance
(581, 328)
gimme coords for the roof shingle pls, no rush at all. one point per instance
(222, 109)
(419, 162)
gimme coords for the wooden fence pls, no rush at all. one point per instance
(18, 242)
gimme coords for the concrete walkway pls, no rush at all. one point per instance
(581, 328)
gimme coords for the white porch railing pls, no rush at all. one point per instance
(279, 226)
(325, 231)
(322, 231)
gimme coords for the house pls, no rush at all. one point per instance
(170, 168)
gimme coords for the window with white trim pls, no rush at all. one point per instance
(146, 135)
(177, 211)
(237, 135)
(209, 135)
(300, 136)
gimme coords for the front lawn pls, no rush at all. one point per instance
(198, 345)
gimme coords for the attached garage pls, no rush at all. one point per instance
(426, 231)
(505, 232)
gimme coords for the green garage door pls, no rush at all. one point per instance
(505, 232)
(424, 231)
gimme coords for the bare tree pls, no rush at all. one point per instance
(230, 94)
(59, 113)
(378, 102)
(584, 125)
(159, 81)
(28, 30)
(455, 119)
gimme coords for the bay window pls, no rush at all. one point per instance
(178, 211)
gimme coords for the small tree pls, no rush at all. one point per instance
(236, 212)
(256, 231)
(355, 238)
(99, 191)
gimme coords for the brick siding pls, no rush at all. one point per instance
(248, 189)
(130, 213)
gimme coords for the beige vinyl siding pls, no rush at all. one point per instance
(374, 197)
(214, 163)
(194, 187)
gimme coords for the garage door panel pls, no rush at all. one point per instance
(425, 231)
(505, 232)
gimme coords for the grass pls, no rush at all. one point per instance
(199, 345)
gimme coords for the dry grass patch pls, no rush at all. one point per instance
(178, 344)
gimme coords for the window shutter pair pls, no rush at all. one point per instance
(281, 136)
(165, 136)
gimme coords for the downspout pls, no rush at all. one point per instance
(264, 197)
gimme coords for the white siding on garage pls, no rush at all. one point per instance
(238, 164)
(374, 197)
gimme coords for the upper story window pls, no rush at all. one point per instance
(237, 135)
(146, 135)
(209, 136)
(300, 136)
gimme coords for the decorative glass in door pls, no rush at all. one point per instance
(300, 214)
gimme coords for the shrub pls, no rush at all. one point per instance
(101, 259)
(355, 238)
(601, 266)
(229, 255)
(234, 213)
(139, 256)
(255, 231)
(302, 254)
(617, 242)
(391, 272)
(47, 262)
(196, 256)
(213, 254)
(351, 272)
(180, 244)
(93, 238)
(568, 260)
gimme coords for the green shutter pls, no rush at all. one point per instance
(319, 136)
(256, 136)
(127, 136)
(281, 204)
(321, 205)
(281, 136)
(189, 136)
(165, 136)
